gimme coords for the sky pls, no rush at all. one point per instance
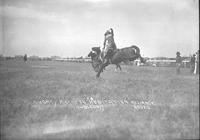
(69, 28)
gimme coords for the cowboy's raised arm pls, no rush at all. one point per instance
(111, 31)
(104, 43)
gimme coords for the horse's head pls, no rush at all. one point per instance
(92, 54)
(97, 50)
(95, 56)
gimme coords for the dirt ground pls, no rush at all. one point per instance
(63, 100)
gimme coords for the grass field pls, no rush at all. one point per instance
(60, 100)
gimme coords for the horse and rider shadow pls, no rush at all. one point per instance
(116, 57)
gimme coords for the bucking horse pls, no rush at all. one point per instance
(120, 55)
(97, 59)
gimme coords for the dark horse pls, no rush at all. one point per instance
(96, 57)
(125, 54)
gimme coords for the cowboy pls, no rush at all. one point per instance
(178, 62)
(109, 45)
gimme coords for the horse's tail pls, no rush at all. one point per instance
(137, 51)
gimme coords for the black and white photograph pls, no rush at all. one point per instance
(99, 69)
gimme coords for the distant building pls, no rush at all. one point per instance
(34, 57)
(166, 62)
(55, 57)
(19, 57)
(46, 59)
(1, 57)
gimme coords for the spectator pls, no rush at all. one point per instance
(178, 62)
(196, 69)
(192, 63)
(25, 57)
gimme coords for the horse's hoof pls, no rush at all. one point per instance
(97, 76)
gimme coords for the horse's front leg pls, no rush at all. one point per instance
(104, 61)
(102, 66)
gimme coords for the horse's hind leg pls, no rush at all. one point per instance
(141, 58)
(118, 66)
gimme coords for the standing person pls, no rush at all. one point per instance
(196, 69)
(109, 45)
(192, 63)
(178, 62)
(25, 57)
